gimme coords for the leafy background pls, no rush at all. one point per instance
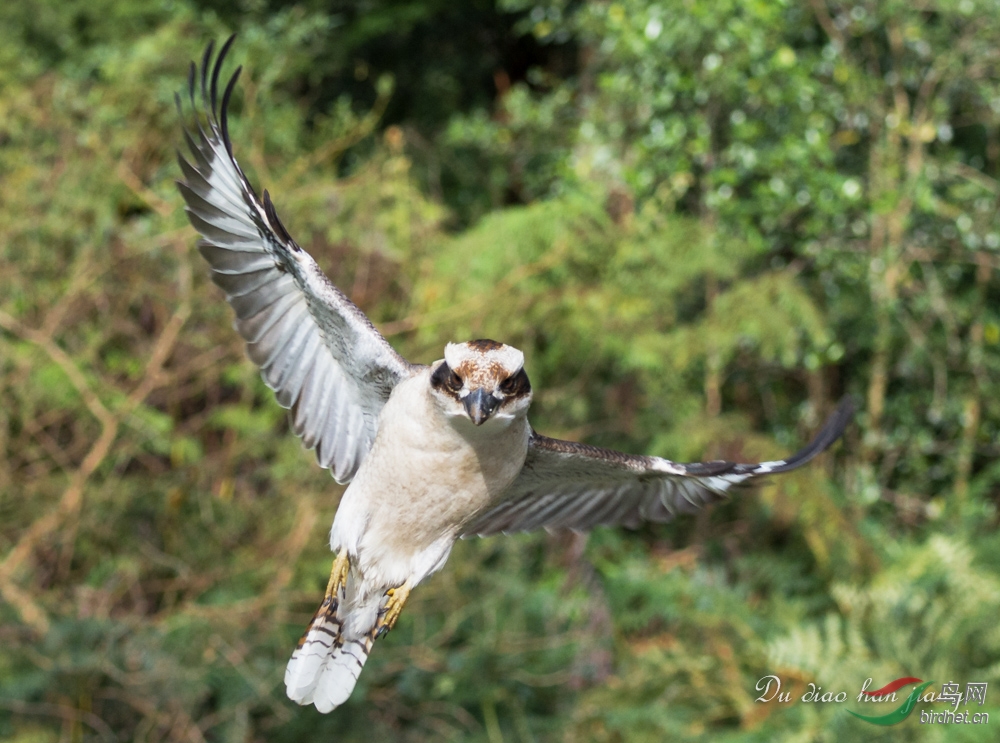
(703, 222)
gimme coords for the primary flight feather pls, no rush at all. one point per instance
(432, 453)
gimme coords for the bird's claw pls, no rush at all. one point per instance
(387, 616)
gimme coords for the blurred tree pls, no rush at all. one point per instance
(692, 217)
(856, 144)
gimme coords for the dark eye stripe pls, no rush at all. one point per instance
(517, 385)
(445, 379)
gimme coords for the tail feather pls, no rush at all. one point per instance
(326, 663)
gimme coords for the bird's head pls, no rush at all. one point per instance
(483, 380)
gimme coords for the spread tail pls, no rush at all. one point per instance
(327, 661)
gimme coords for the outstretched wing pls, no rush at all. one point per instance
(565, 485)
(318, 352)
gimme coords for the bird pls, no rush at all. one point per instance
(431, 453)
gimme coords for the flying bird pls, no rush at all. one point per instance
(432, 453)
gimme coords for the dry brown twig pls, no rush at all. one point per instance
(68, 507)
(61, 711)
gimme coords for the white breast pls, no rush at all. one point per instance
(425, 475)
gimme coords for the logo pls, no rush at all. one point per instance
(975, 692)
(900, 713)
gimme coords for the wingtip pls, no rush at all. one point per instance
(217, 71)
(832, 429)
(276, 223)
(206, 59)
(835, 425)
(226, 96)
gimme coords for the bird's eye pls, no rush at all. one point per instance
(445, 377)
(516, 385)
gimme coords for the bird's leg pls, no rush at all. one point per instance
(394, 606)
(325, 617)
(338, 574)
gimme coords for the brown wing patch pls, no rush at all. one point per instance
(573, 448)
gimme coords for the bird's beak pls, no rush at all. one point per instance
(480, 404)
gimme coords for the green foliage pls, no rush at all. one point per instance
(702, 230)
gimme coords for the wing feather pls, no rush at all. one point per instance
(318, 352)
(288, 389)
(564, 485)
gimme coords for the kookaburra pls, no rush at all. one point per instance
(432, 453)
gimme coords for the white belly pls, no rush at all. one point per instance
(425, 476)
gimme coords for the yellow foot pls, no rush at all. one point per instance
(338, 574)
(393, 608)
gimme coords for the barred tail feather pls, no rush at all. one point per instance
(326, 663)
